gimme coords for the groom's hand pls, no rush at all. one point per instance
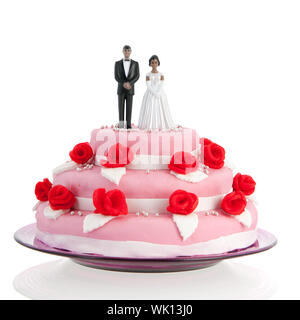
(127, 85)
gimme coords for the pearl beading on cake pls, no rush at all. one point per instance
(204, 168)
(136, 129)
(85, 166)
(146, 214)
(211, 212)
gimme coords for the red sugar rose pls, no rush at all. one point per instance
(183, 163)
(117, 156)
(244, 183)
(214, 155)
(61, 198)
(111, 203)
(42, 189)
(234, 203)
(182, 202)
(81, 153)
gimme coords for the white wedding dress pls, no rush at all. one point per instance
(155, 113)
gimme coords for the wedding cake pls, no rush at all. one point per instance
(146, 194)
(157, 190)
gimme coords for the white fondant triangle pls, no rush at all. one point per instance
(53, 214)
(69, 165)
(186, 224)
(36, 206)
(229, 164)
(252, 199)
(113, 174)
(95, 221)
(194, 177)
(245, 218)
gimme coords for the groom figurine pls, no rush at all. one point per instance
(126, 74)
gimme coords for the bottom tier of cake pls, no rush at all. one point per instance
(151, 236)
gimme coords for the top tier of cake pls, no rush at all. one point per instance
(152, 149)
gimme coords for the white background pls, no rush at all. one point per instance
(232, 71)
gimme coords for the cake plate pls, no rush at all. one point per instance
(26, 237)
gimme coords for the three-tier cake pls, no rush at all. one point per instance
(146, 194)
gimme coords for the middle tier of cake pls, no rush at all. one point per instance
(146, 190)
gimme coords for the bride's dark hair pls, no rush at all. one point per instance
(154, 57)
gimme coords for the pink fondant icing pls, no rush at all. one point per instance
(139, 184)
(154, 229)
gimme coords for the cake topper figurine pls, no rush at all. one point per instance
(155, 113)
(126, 74)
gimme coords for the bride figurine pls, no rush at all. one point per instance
(155, 113)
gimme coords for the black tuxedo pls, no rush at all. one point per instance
(124, 94)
